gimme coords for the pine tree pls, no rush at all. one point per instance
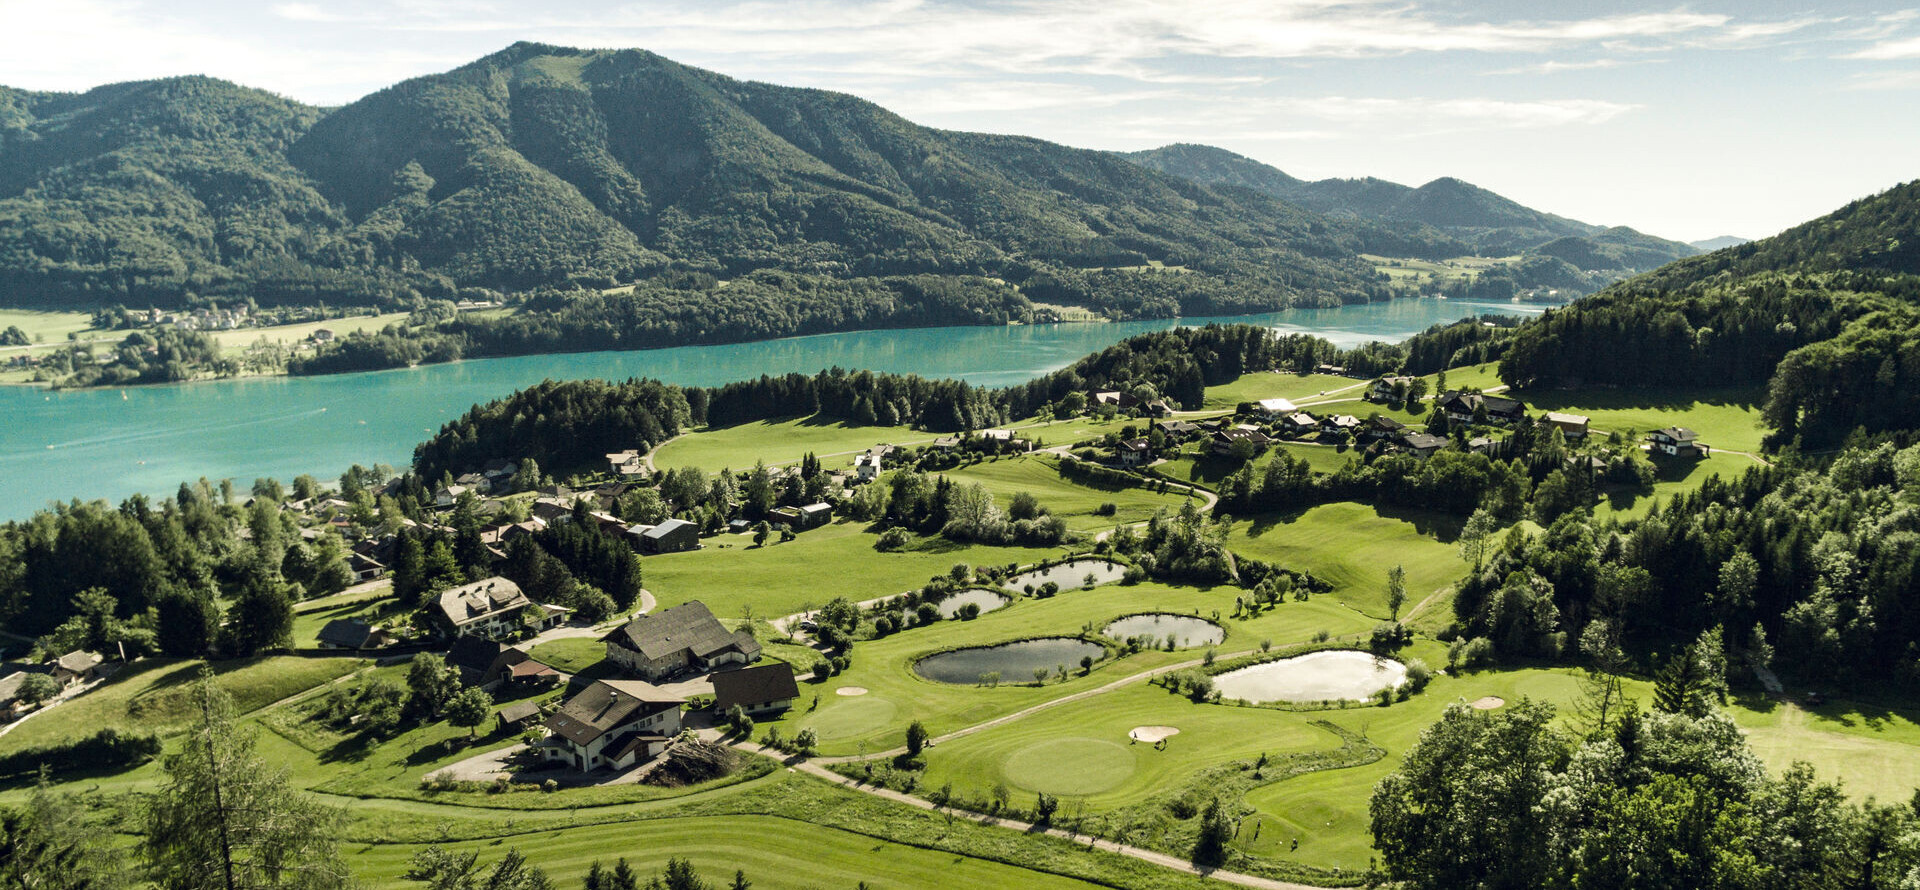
(227, 820)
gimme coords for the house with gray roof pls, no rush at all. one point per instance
(756, 690)
(612, 724)
(671, 536)
(684, 638)
(490, 608)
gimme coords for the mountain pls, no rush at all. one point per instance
(1713, 244)
(1492, 224)
(547, 166)
(1825, 314)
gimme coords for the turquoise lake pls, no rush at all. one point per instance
(110, 443)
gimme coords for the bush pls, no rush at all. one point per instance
(1418, 675)
(822, 670)
(1107, 509)
(893, 539)
(109, 749)
(1388, 636)
(1468, 654)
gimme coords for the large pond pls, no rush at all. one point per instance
(1014, 662)
(110, 443)
(1186, 630)
(986, 600)
(1334, 675)
(1070, 575)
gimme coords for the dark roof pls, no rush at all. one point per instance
(1423, 441)
(606, 706)
(1678, 434)
(1383, 422)
(754, 685)
(472, 602)
(666, 528)
(1135, 445)
(480, 655)
(349, 632)
(688, 626)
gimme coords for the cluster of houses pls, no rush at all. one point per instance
(198, 319)
(67, 671)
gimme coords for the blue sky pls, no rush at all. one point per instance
(1684, 120)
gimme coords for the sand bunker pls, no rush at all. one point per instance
(851, 690)
(1152, 734)
(1489, 703)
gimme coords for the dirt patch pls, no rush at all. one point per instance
(851, 690)
(1152, 734)
(1488, 703)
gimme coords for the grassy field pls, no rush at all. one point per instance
(780, 442)
(1437, 272)
(1874, 750)
(1275, 385)
(1353, 546)
(237, 341)
(1726, 418)
(832, 561)
(1198, 464)
(154, 695)
(1074, 502)
(50, 328)
(310, 617)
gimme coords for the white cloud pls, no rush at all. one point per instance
(1907, 79)
(1908, 48)
(1556, 66)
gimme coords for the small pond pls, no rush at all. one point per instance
(1316, 676)
(1016, 662)
(1187, 630)
(1071, 575)
(987, 600)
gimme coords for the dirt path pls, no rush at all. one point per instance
(815, 769)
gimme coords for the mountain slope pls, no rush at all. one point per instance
(1825, 313)
(1492, 224)
(544, 166)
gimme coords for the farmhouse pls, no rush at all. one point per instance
(757, 690)
(1381, 427)
(612, 724)
(1461, 407)
(1274, 407)
(1422, 444)
(490, 608)
(685, 637)
(1121, 400)
(77, 666)
(1340, 423)
(1678, 441)
(625, 463)
(803, 518)
(671, 536)
(1133, 452)
(867, 466)
(1224, 440)
(1571, 426)
(1299, 423)
(1388, 389)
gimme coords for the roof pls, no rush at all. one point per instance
(754, 685)
(608, 705)
(817, 509)
(1277, 406)
(80, 661)
(529, 668)
(477, 654)
(1423, 441)
(518, 711)
(480, 600)
(1383, 422)
(1558, 417)
(689, 626)
(1344, 420)
(666, 528)
(349, 632)
(1678, 434)
(1140, 445)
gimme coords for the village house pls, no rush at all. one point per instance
(1299, 423)
(475, 481)
(625, 463)
(1340, 423)
(1223, 441)
(756, 690)
(867, 466)
(365, 568)
(612, 724)
(353, 633)
(1116, 398)
(76, 667)
(684, 638)
(492, 607)
(1678, 441)
(1132, 452)
(489, 664)
(1462, 406)
(1179, 430)
(1273, 408)
(1380, 427)
(1572, 427)
(671, 536)
(1004, 442)
(519, 716)
(1422, 444)
(1388, 389)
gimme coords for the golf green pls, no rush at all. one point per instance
(1074, 766)
(853, 716)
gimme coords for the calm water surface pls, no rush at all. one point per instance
(1316, 676)
(1015, 662)
(111, 443)
(1187, 631)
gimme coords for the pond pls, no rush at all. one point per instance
(1071, 575)
(1015, 662)
(1187, 631)
(987, 600)
(1316, 676)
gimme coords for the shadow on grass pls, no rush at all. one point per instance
(1748, 398)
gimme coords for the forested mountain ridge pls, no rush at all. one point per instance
(546, 166)
(1493, 225)
(1825, 313)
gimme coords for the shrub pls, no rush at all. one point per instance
(1106, 509)
(893, 539)
(1418, 675)
(822, 670)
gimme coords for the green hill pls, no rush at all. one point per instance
(1490, 224)
(1826, 314)
(546, 166)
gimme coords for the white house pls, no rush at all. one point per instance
(612, 724)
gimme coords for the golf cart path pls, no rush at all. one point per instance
(813, 768)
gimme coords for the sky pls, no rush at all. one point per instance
(1687, 121)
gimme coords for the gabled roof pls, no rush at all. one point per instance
(666, 528)
(349, 632)
(754, 685)
(1276, 406)
(521, 710)
(80, 661)
(689, 626)
(1423, 441)
(1678, 434)
(1558, 417)
(481, 600)
(479, 655)
(606, 706)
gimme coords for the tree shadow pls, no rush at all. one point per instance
(1747, 398)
